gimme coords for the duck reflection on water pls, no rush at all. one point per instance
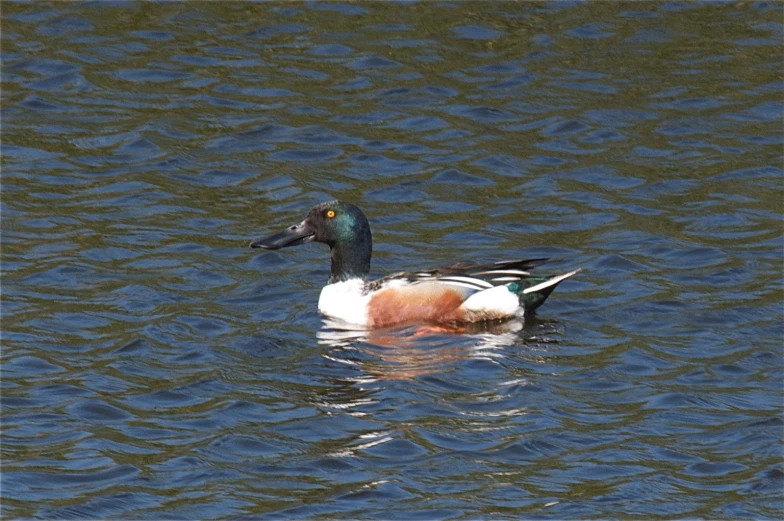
(415, 351)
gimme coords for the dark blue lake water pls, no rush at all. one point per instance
(154, 367)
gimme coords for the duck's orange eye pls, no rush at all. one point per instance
(330, 213)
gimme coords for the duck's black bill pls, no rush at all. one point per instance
(292, 236)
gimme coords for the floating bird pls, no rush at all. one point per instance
(462, 293)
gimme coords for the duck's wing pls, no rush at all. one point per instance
(476, 277)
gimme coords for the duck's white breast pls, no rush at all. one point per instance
(345, 301)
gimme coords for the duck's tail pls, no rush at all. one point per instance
(533, 291)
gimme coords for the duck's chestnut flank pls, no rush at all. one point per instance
(426, 303)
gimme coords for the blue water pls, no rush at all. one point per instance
(154, 367)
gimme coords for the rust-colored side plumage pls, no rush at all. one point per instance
(415, 303)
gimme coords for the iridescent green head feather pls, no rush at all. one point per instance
(345, 229)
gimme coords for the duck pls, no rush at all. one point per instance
(461, 293)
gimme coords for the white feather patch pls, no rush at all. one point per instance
(345, 301)
(502, 272)
(550, 282)
(468, 280)
(497, 301)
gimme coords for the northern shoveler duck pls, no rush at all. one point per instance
(455, 294)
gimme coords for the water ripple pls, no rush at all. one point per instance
(155, 366)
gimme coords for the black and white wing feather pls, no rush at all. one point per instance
(476, 277)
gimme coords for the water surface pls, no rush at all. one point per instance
(155, 367)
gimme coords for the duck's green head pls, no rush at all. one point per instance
(340, 225)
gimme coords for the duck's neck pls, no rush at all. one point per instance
(350, 261)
